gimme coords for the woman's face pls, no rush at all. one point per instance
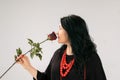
(62, 36)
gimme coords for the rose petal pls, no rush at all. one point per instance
(52, 36)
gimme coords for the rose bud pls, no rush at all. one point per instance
(52, 36)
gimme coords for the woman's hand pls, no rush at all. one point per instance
(24, 61)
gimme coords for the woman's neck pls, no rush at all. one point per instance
(69, 50)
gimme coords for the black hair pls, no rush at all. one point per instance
(80, 40)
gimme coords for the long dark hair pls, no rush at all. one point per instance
(81, 43)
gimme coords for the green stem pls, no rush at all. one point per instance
(8, 69)
(43, 41)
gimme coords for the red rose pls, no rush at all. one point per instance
(52, 36)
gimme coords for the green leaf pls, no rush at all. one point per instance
(40, 50)
(19, 51)
(32, 53)
(40, 56)
(30, 42)
(36, 49)
(37, 45)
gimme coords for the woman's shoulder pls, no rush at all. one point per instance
(57, 54)
(59, 51)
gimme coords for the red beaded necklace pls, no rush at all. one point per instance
(64, 66)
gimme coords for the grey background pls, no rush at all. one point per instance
(35, 19)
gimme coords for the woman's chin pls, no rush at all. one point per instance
(59, 41)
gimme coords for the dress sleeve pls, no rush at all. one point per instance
(47, 74)
(95, 69)
(44, 75)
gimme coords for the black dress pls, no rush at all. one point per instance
(94, 69)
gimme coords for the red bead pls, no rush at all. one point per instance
(65, 66)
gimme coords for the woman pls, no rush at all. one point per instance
(76, 59)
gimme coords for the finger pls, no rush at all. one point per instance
(25, 58)
(19, 57)
(20, 61)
